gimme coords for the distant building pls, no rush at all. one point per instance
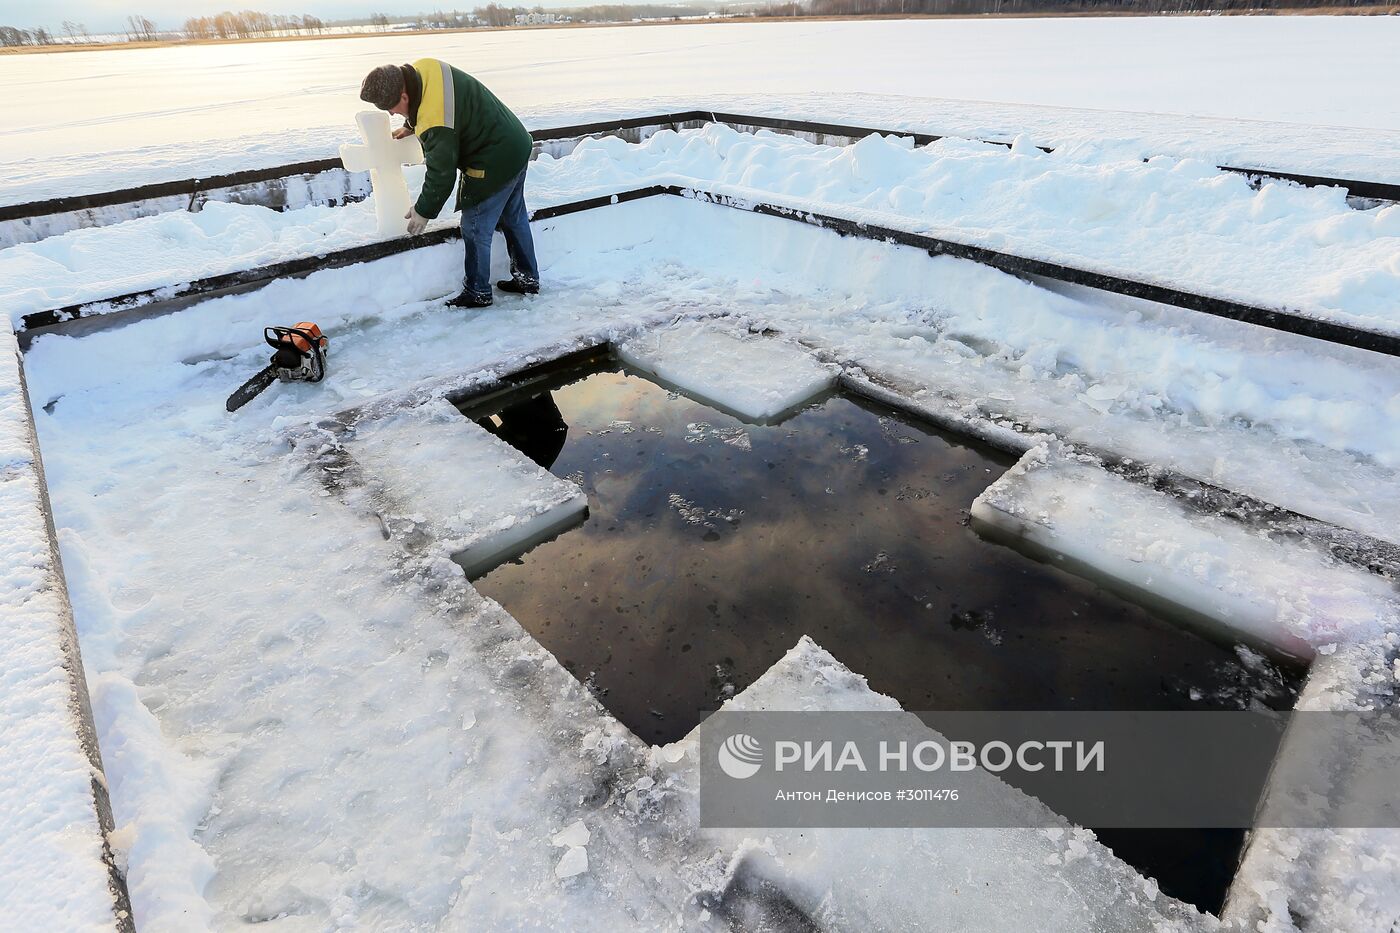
(533, 19)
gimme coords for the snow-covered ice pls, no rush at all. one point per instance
(754, 376)
(1235, 83)
(323, 750)
(52, 873)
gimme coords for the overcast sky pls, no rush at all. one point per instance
(110, 15)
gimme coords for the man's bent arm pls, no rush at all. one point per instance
(440, 156)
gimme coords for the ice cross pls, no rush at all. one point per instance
(383, 157)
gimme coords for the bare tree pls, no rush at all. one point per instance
(140, 29)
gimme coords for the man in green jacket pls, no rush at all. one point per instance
(465, 130)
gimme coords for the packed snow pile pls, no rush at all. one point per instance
(757, 377)
(52, 872)
(1178, 222)
(174, 248)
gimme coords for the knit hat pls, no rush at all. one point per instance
(383, 87)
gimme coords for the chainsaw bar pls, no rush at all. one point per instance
(250, 389)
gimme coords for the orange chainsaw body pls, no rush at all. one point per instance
(301, 343)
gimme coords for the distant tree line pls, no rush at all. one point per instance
(10, 36)
(935, 7)
(496, 15)
(441, 19)
(491, 15)
(614, 12)
(250, 24)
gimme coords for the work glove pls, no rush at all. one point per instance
(417, 223)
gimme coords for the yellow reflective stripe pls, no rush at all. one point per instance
(449, 98)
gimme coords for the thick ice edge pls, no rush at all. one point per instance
(756, 377)
(1220, 574)
(1326, 879)
(484, 499)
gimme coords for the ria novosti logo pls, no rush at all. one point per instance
(740, 756)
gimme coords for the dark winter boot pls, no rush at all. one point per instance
(519, 286)
(469, 300)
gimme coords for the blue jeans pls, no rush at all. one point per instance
(503, 210)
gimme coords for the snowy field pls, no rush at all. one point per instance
(310, 720)
(1237, 89)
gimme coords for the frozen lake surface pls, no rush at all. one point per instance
(353, 756)
(181, 112)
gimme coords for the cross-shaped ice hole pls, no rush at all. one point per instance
(713, 543)
(383, 157)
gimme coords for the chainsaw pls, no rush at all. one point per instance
(299, 356)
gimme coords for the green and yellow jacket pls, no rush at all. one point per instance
(463, 128)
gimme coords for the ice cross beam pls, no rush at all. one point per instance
(383, 157)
